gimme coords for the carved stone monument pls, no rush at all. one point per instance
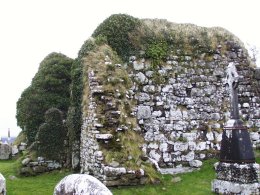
(237, 172)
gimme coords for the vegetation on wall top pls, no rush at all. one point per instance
(116, 30)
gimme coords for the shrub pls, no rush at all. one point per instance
(51, 136)
(49, 88)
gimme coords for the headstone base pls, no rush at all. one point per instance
(234, 178)
(231, 188)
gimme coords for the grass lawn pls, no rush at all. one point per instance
(38, 185)
(195, 183)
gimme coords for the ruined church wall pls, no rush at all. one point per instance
(182, 115)
(179, 108)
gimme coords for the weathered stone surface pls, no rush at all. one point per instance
(26, 161)
(106, 136)
(201, 146)
(2, 185)
(227, 187)
(111, 171)
(143, 112)
(81, 184)
(142, 97)
(188, 157)
(5, 151)
(140, 77)
(195, 163)
(176, 170)
(138, 66)
(53, 165)
(179, 146)
(176, 114)
(237, 173)
(14, 150)
(155, 155)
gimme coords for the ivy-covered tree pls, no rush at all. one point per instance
(74, 115)
(51, 136)
(49, 88)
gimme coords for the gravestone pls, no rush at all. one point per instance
(81, 184)
(5, 151)
(237, 172)
(2, 185)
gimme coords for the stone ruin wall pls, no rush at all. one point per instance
(180, 110)
(182, 118)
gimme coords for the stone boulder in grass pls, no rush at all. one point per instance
(81, 184)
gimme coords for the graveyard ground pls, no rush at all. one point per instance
(196, 183)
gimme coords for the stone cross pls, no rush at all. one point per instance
(232, 82)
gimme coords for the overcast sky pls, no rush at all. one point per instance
(31, 29)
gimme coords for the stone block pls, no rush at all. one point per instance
(142, 97)
(143, 112)
(190, 136)
(195, 163)
(175, 114)
(179, 146)
(140, 77)
(237, 173)
(153, 146)
(53, 165)
(192, 145)
(210, 136)
(154, 155)
(227, 187)
(188, 157)
(201, 146)
(166, 157)
(111, 171)
(167, 89)
(26, 161)
(163, 147)
(138, 66)
(104, 136)
(157, 113)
